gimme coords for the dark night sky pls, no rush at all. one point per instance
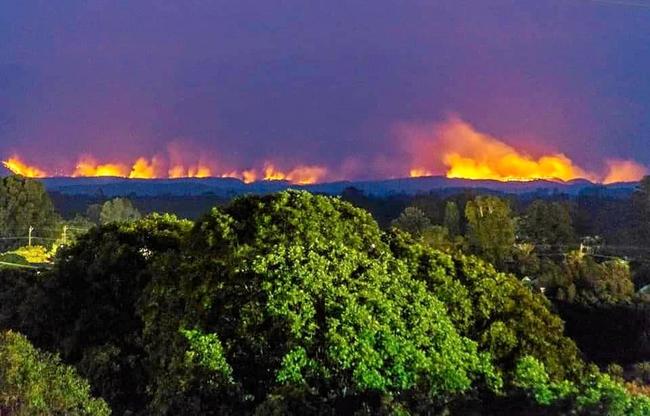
(320, 82)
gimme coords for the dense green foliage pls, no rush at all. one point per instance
(300, 304)
(24, 203)
(595, 394)
(86, 307)
(491, 229)
(118, 210)
(495, 309)
(36, 383)
(579, 278)
(413, 221)
(451, 219)
(548, 223)
(302, 296)
(16, 298)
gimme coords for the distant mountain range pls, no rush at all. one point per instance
(228, 187)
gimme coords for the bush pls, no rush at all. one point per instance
(36, 383)
(641, 372)
(34, 254)
(596, 394)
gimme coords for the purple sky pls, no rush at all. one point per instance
(320, 82)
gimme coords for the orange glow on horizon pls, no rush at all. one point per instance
(249, 176)
(195, 171)
(272, 174)
(145, 169)
(307, 175)
(624, 171)
(159, 168)
(301, 175)
(18, 167)
(460, 151)
(89, 167)
(457, 150)
(419, 172)
(453, 148)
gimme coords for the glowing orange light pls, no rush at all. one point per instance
(273, 174)
(145, 169)
(195, 171)
(306, 175)
(18, 167)
(461, 151)
(418, 173)
(249, 176)
(88, 166)
(624, 171)
(176, 172)
(301, 175)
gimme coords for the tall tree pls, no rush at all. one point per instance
(491, 229)
(548, 223)
(413, 221)
(293, 304)
(24, 204)
(641, 208)
(118, 210)
(86, 307)
(452, 218)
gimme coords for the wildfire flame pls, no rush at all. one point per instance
(302, 175)
(624, 171)
(157, 167)
(88, 167)
(419, 172)
(17, 166)
(454, 148)
(460, 151)
(194, 171)
(144, 168)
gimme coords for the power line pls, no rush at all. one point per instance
(68, 226)
(27, 238)
(22, 266)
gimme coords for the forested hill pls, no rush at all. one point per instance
(228, 187)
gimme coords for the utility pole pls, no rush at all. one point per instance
(30, 235)
(65, 234)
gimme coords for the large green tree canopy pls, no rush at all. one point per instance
(299, 304)
(490, 229)
(23, 204)
(300, 291)
(506, 318)
(86, 307)
(118, 210)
